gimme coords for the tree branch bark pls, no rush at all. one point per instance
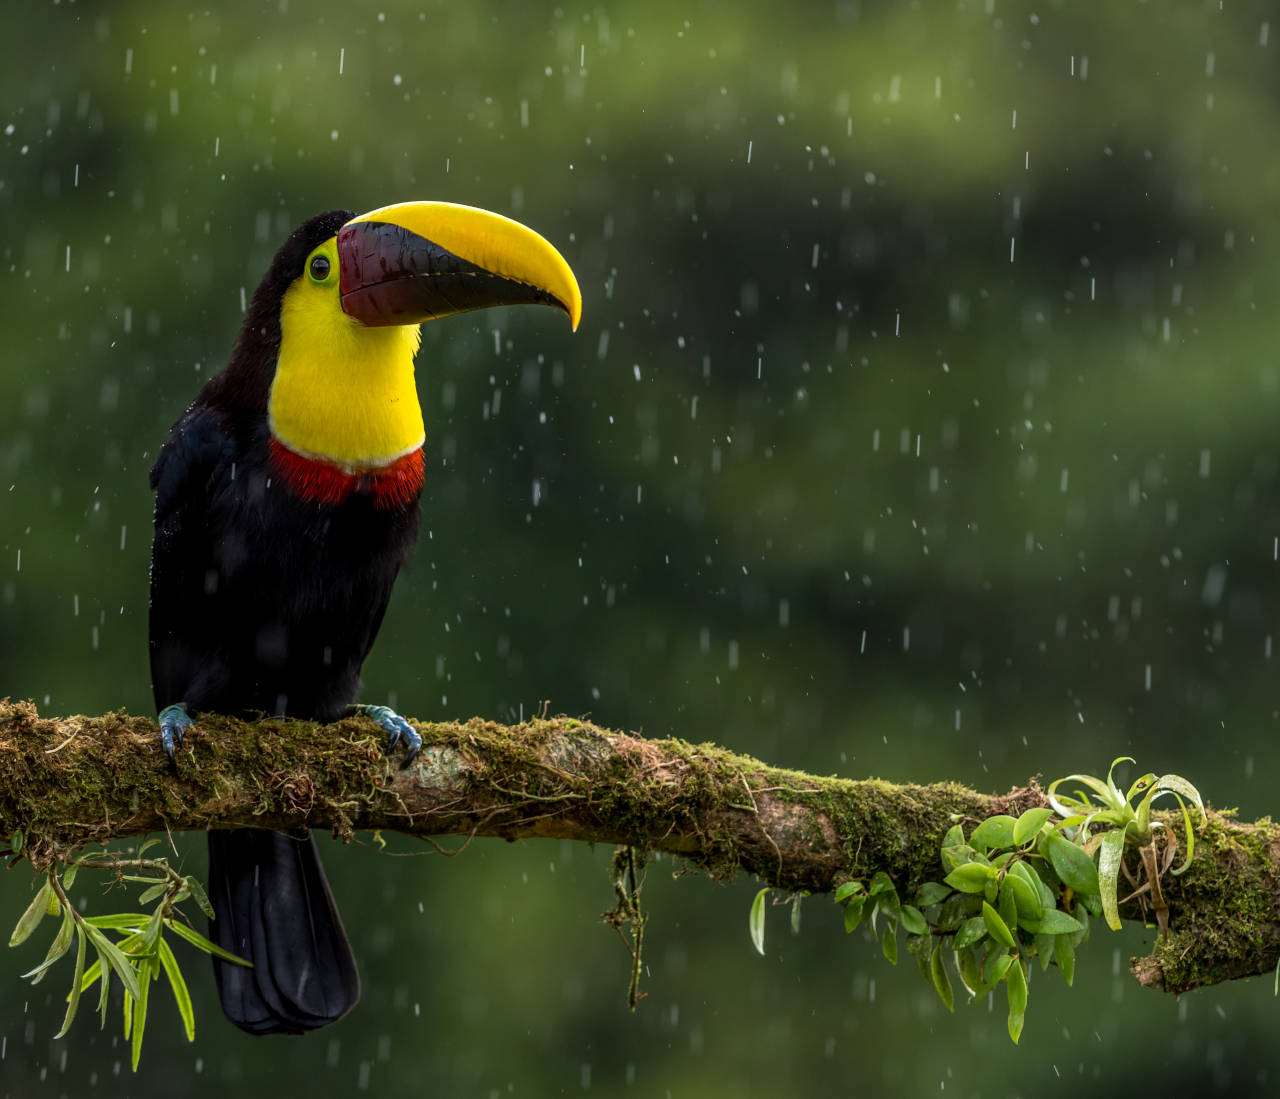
(68, 782)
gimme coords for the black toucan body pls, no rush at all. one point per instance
(286, 502)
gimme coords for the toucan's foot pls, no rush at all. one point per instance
(397, 729)
(174, 722)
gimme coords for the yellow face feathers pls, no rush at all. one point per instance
(342, 391)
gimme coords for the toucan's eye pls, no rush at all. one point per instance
(319, 268)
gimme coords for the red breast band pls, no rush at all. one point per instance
(391, 486)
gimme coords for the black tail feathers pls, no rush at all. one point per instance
(275, 909)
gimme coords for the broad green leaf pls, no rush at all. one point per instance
(197, 940)
(60, 945)
(881, 883)
(1026, 892)
(36, 910)
(997, 964)
(887, 903)
(956, 909)
(970, 974)
(995, 831)
(73, 1000)
(1007, 906)
(913, 921)
(1028, 824)
(961, 855)
(1043, 950)
(932, 892)
(847, 889)
(941, 980)
(795, 914)
(1057, 922)
(180, 993)
(1110, 853)
(756, 920)
(954, 837)
(1072, 865)
(970, 932)
(853, 912)
(16, 841)
(1015, 983)
(969, 878)
(889, 944)
(1065, 955)
(997, 928)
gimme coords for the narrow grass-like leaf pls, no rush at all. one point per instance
(755, 921)
(197, 940)
(157, 890)
(119, 921)
(60, 945)
(1110, 854)
(116, 959)
(30, 919)
(180, 993)
(73, 1000)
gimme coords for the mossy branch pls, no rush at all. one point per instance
(68, 782)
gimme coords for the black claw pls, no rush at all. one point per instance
(396, 728)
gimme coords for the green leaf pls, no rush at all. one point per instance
(180, 993)
(881, 883)
(116, 959)
(844, 890)
(1057, 922)
(853, 912)
(997, 928)
(73, 1000)
(889, 944)
(1015, 983)
(956, 909)
(941, 979)
(756, 920)
(1110, 854)
(1029, 824)
(961, 855)
(102, 967)
(30, 919)
(16, 841)
(969, 970)
(1065, 955)
(795, 913)
(1007, 906)
(60, 945)
(969, 878)
(971, 931)
(995, 831)
(119, 921)
(1072, 864)
(69, 876)
(146, 845)
(197, 940)
(140, 1013)
(1022, 882)
(157, 890)
(932, 892)
(913, 921)
(954, 837)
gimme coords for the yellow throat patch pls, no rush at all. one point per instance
(343, 392)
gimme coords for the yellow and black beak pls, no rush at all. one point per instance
(417, 261)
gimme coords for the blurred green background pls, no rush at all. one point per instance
(921, 424)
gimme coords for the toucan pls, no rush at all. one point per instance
(287, 499)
